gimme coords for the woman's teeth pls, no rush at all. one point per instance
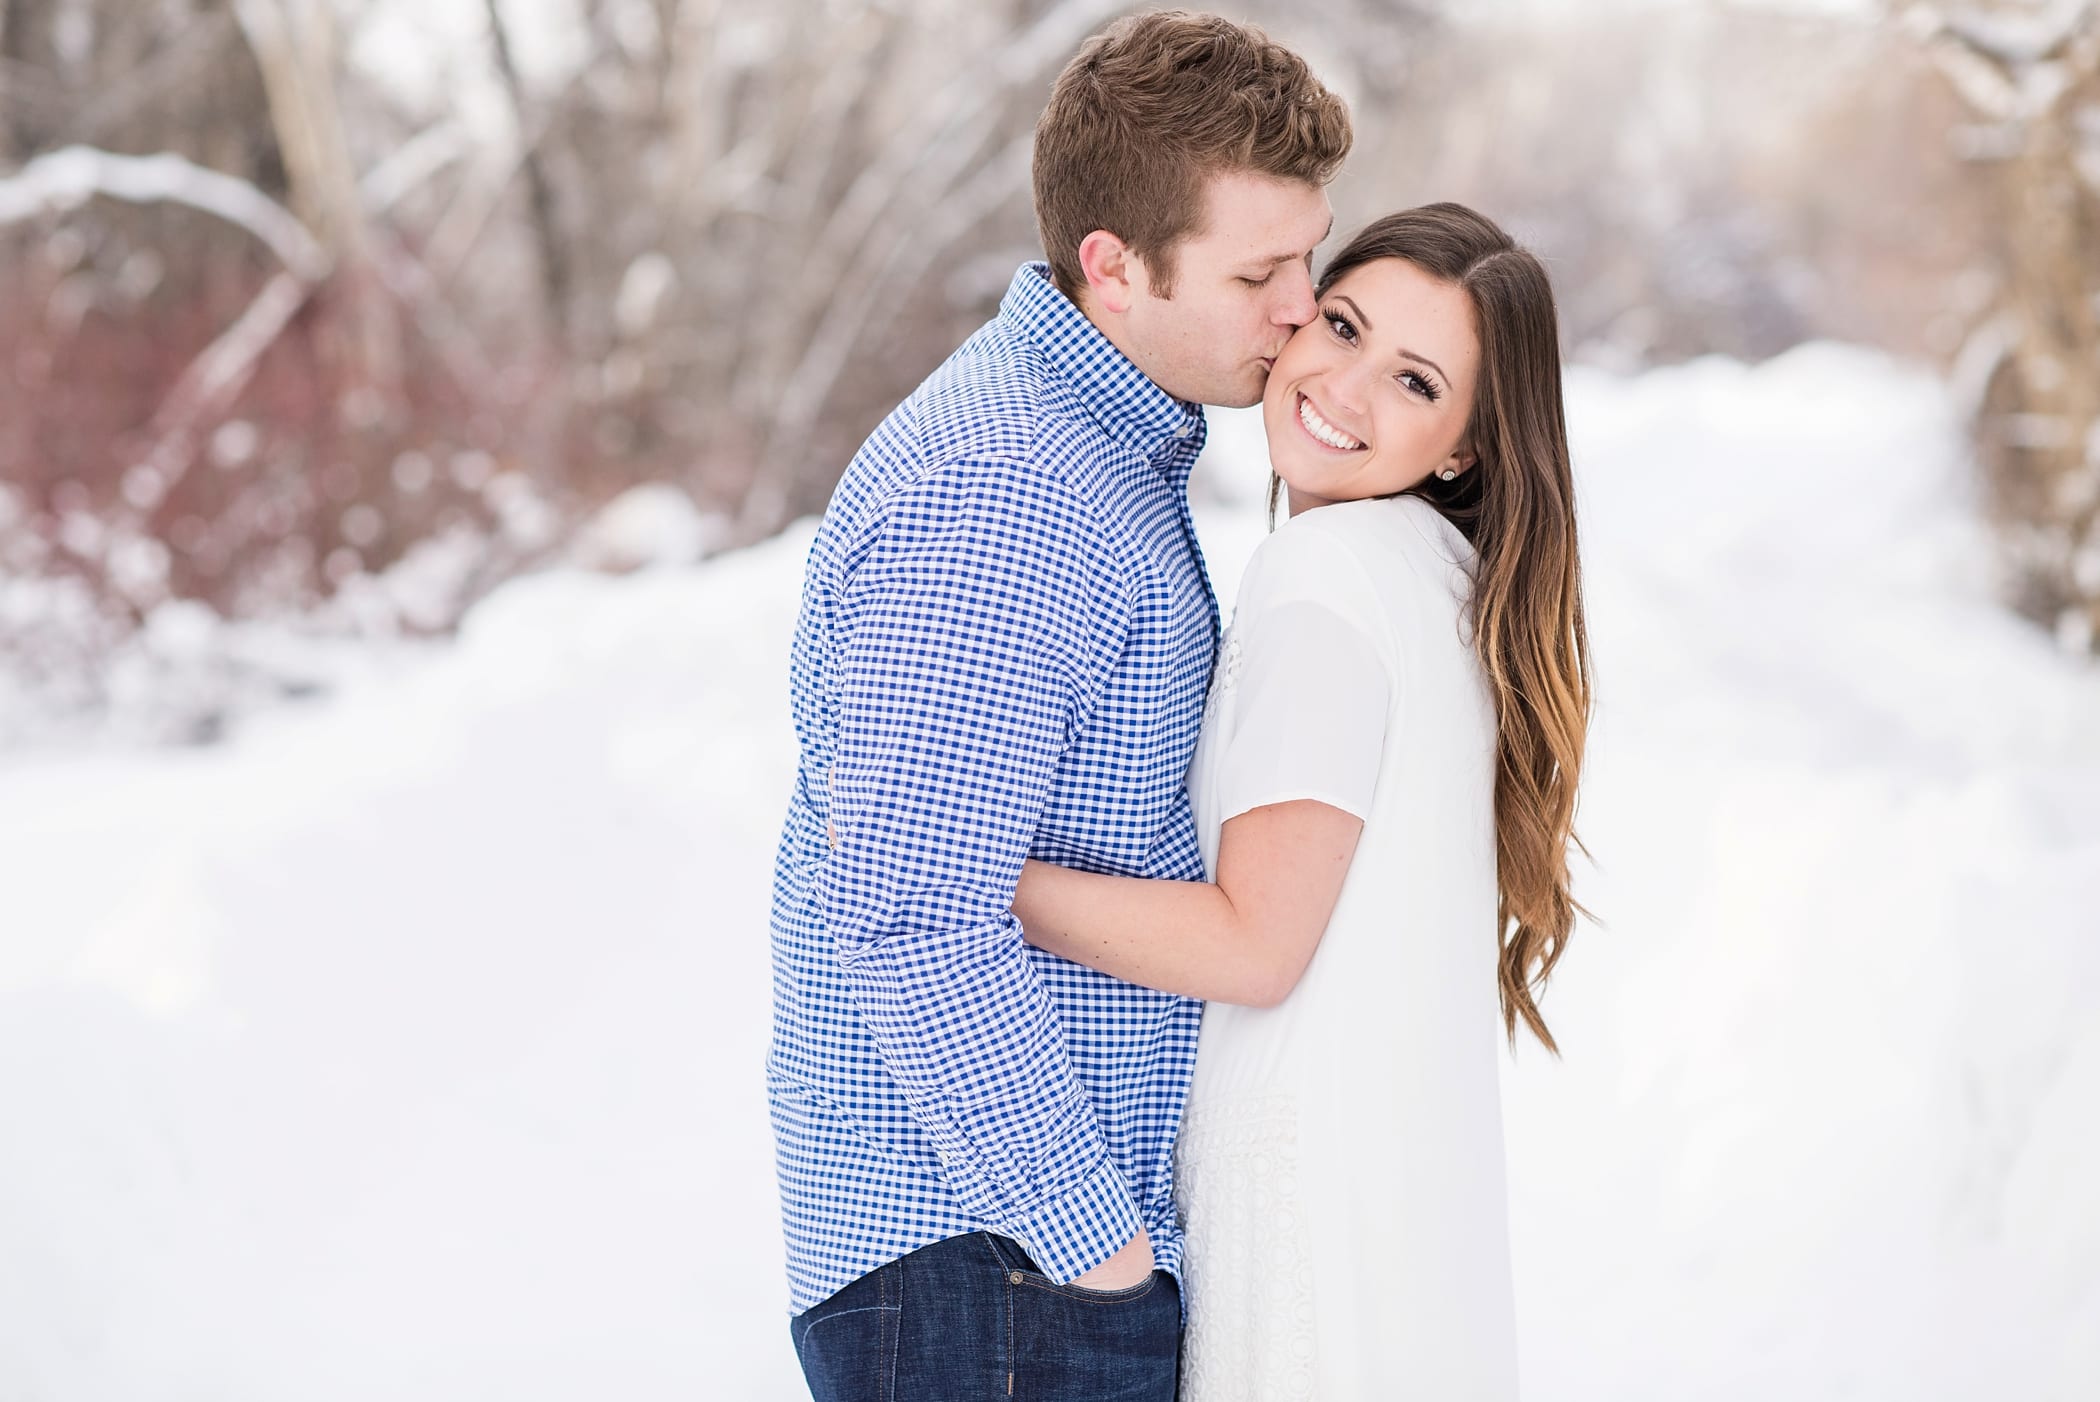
(1321, 429)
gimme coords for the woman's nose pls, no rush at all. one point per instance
(1351, 386)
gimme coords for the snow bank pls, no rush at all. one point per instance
(1830, 1111)
(410, 1044)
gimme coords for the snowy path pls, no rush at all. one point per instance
(410, 1045)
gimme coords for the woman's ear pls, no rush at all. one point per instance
(1108, 264)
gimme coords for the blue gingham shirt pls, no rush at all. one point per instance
(1006, 634)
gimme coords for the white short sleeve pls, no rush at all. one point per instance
(1310, 715)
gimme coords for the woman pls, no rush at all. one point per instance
(1390, 757)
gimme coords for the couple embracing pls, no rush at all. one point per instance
(1138, 994)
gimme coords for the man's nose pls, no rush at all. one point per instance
(1296, 306)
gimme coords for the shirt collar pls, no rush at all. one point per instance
(1128, 406)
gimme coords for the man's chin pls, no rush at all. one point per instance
(1244, 396)
(1222, 393)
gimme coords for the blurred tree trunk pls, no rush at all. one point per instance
(2047, 438)
(27, 83)
(295, 45)
(548, 240)
(2031, 74)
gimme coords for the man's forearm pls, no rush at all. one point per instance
(960, 1017)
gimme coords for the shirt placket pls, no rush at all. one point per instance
(1176, 460)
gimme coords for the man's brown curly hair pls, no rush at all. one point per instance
(1152, 107)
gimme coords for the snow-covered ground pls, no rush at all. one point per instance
(409, 1044)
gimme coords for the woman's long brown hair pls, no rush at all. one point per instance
(1517, 506)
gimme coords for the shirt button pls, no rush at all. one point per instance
(1184, 428)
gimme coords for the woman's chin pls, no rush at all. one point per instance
(1303, 498)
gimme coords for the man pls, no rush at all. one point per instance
(1005, 639)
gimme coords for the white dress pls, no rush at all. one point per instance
(1340, 1167)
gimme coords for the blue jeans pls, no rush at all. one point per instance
(972, 1318)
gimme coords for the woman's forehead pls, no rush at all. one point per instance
(1399, 305)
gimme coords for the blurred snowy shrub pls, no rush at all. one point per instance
(333, 317)
(653, 524)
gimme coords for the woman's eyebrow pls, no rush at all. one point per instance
(1424, 360)
(1365, 323)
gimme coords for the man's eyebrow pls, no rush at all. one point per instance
(1403, 353)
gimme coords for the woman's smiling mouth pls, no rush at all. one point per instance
(1322, 431)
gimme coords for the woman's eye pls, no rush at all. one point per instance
(1418, 385)
(1339, 324)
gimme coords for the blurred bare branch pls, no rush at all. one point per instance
(411, 165)
(65, 179)
(212, 382)
(550, 243)
(260, 281)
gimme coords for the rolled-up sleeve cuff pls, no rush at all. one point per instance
(1070, 1235)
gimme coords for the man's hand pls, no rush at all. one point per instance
(1130, 1266)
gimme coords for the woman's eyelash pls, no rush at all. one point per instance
(1421, 384)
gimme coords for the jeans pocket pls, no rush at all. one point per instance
(1087, 1294)
(1020, 1270)
(1095, 1345)
(1072, 1342)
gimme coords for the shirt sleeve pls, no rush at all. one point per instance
(976, 633)
(1310, 716)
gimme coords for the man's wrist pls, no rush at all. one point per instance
(1075, 1232)
(1130, 1266)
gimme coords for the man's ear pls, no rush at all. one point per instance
(1110, 269)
